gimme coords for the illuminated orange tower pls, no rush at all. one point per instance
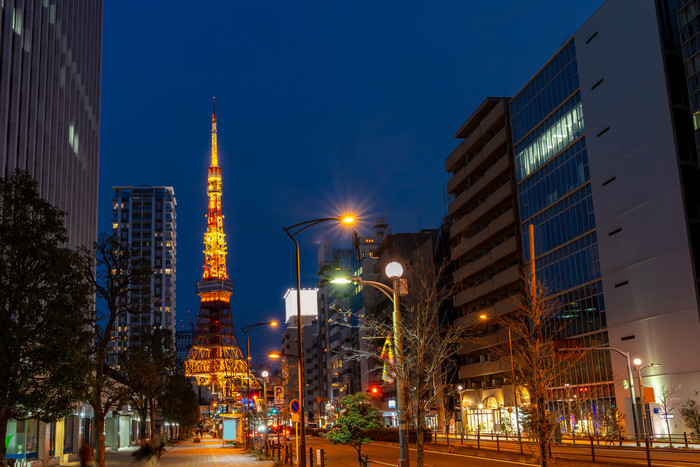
(215, 358)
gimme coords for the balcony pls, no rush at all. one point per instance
(504, 249)
(509, 276)
(481, 369)
(491, 120)
(492, 201)
(494, 227)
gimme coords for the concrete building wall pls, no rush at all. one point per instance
(643, 237)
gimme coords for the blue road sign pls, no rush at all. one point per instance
(294, 406)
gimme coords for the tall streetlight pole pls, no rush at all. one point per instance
(245, 330)
(642, 411)
(629, 375)
(393, 271)
(265, 374)
(299, 448)
(292, 231)
(484, 317)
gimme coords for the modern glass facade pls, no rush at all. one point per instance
(554, 194)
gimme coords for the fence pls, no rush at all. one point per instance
(588, 447)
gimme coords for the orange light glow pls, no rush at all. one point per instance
(483, 316)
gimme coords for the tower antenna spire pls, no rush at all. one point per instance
(215, 358)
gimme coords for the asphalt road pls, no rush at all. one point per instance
(388, 454)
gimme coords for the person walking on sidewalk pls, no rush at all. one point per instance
(85, 454)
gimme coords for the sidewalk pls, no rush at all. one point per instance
(208, 453)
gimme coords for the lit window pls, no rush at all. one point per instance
(696, 120)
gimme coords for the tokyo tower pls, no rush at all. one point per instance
(215, 359)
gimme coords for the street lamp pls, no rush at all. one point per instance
(484, 317)
(292, 231)
(393, 271)
(643, 412)
(275, 354)
(245, 330)
(264, 374)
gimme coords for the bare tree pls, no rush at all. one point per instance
(423, 364)
(668, 401)
(542, 360)
(119, 283)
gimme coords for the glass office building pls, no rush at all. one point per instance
(554, 195)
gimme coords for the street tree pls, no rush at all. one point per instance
(179, 403)
(541, 358)
(358, 416)
(145, 367)
(690, 413)
(423, 363)
(120, 281)
(668, 400)
(45, 309)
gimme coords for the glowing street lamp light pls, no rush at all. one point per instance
(643, 412)
(292, 231)
(484, 317)
(245, 330)
(274, 355)
(393, 271)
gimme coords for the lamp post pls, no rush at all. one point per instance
(484, 317)
(629, 375)
(299, 447)
(292, 231)
(642, 412)
(393, 271)
(245, 330)
(265, 374)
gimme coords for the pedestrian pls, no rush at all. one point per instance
(145, 456)
(85, 454)
(157, 444)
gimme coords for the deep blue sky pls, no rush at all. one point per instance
(321, 105)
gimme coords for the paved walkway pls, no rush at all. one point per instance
(208, 453)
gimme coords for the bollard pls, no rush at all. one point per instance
(646, 443)
(520, 441)
(498, 445)
(461, 438)
(685, 438)
(478, 439)
(311, 457)
(573, 437)
(592, 449)
(322, 457)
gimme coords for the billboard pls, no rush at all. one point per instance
(309, 303)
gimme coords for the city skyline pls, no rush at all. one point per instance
(363, 109)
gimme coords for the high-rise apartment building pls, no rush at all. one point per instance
(144, 218)
(486, 253)
(50, 103)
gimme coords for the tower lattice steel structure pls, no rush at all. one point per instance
(215, 358)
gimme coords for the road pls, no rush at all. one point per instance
(345, 456)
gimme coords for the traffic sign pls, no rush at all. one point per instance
(294, 406)
(279, 395)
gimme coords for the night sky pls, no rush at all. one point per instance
(322, 107)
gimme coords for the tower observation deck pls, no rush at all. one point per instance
(215, 359)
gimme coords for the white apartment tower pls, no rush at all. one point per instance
(145, 218)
